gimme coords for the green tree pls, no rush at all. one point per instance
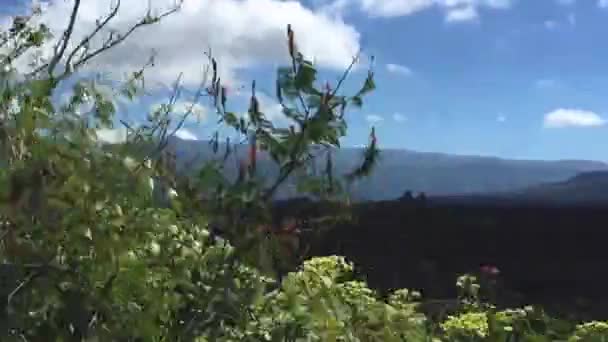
(90, 252)
(87, 250)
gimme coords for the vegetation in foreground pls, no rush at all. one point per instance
(98, 245)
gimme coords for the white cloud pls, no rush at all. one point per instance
(398, 117)
(550, 24)
(459, 14)
(398, 69)
(199, 113)
(273, 110)
(373, 118)
(185, 134)
(112, 135)
(602, 3)
(564, 117)
(456, 10)
(241, 33)
(394, 8)
(119, 135)
(501, 118)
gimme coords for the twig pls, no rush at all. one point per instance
(66, 38)
(14, 34)
(164, 138)
(4, 234)
(119, 40)
(21, 286)
(88, 38)
(344, 75)
(293, 163)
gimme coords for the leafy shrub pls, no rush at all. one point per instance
(91, 252)
(92, 249)
(321, 302)
(470, 326)
(591, 332)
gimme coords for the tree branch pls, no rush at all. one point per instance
(146, 21)
(293, 161)
(20, 287)
(88, 38)
(65, 39)
(164, 137)
(108, 44)
(344, 75)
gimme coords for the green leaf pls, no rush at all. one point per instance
(333, 139)
(129, 90)
(231, 119)
(316, 130)
(368, 85)
(41, 88)
(210, 176)
(306, 76)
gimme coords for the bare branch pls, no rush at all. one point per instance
(114, 39)
(112, 43)
(164, 123)
(4, 234)
(22, 285)
(189, 111)
(65, 39)
(88, 38)
(345, 74)
(14, 54)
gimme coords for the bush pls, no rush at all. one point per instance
(97, 246)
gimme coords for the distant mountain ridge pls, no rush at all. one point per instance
(398, 171)
(584, 188)
(587, 189)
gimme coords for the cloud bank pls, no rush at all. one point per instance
(563, 117)
(398, 69)
(240, 33)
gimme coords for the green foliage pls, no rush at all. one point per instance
(321, 302)
(591, 331)
(90, 253)
(470, 326)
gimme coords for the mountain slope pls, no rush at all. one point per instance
(435, 174)
(585, 188)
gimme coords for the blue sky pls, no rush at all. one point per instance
(516, 79)
(485, 86)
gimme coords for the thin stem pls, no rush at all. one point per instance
(65, 39)
(88, 38)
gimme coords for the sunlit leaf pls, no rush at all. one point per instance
(306, 76)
